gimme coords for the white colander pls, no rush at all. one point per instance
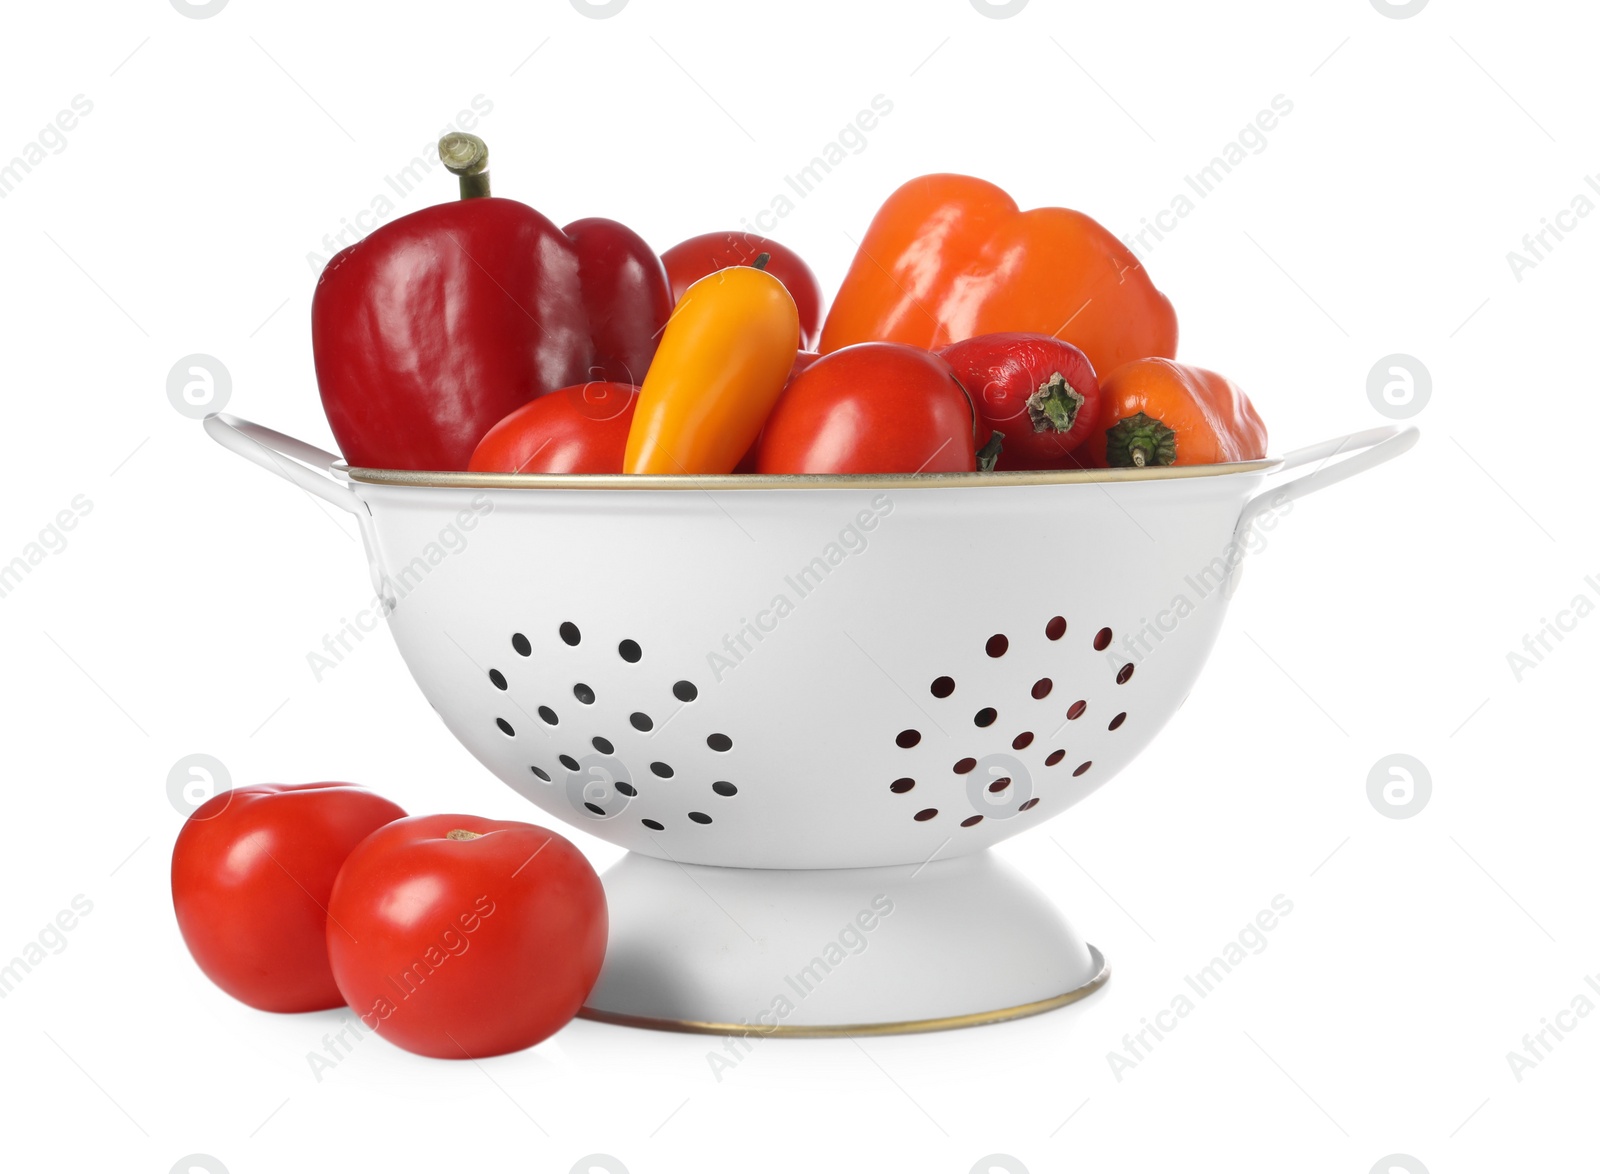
(743, 680)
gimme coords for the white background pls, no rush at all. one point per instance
(219, 152)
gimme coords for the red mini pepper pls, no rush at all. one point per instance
(437, 325)
(1039, 393)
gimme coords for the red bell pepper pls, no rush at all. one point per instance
(437, 325)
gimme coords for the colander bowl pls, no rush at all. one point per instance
(791, 697)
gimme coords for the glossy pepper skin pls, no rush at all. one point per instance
(1157, 412)
(949, 256)
(723, 361)
(1038, 392)
(438, 324)
(688, 261)
(625, 294)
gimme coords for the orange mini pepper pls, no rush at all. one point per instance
(1157, 412)
(948, 257)
(723, 360)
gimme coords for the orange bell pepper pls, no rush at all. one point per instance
(723, 360)
(948, 257)
(1157, 412)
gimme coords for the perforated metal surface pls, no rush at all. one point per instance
(809, 678)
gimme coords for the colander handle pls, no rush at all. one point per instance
(297, 462)
(1357, 453)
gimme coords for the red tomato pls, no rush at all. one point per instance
(251, 874)
(802, 360)
(691, 260)
(1039, 392)
(578, 429)
(459, 937)
(876, 407)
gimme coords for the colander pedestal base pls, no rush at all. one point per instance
(816, 952)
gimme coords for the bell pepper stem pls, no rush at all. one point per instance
(1054, 407)
(989, 454)
(466, 157)
(1138, 441)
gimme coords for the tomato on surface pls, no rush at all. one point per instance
(694, 258)
(577, 429)
(252, 871)
(877, 407)
(458, 937)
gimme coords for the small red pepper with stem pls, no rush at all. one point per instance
(1039, 393)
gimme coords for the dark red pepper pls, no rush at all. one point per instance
(437, 325)
(626, 295)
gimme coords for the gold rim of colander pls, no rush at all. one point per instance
(904, 1027)
(422, 478)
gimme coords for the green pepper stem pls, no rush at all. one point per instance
(1054, 406)
(466, 157)
(989, 454)
(1140, 440)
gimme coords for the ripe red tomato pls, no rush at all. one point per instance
(1039, 392)
(692, 259)
(456, 937)
(876, 407)
(802, 360)
(251, 874)
(578, 429)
